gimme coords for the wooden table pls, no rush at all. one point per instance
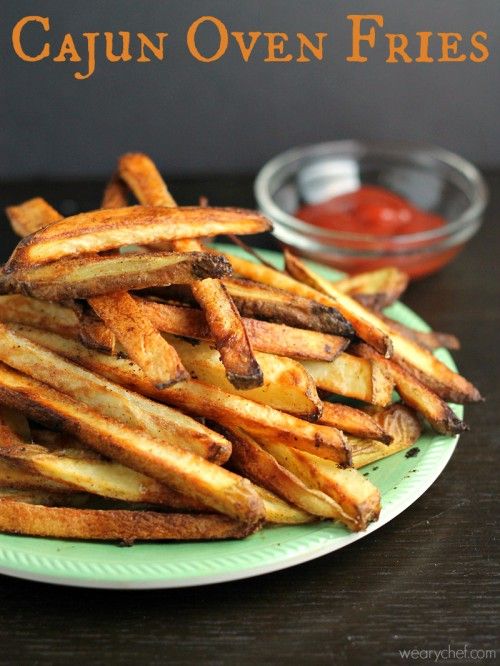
(424, 581)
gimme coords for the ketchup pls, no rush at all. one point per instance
(382, 214)
(370, 210)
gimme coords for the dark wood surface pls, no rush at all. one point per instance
(427, 580)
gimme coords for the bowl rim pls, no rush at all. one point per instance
(359, 148)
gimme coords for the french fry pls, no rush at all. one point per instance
(31, 215)
(111, 400)
(182, 470)
(187, 322)
(278, 306)
(115, 194)
(375, 289)
(88, 474)
(138, 336)
(35, 215)
(140, 339)
(117, 525)
(44, 496)
(108, 229)
(94, 333)
(264, 336)
(229, 333)
(430, 340)
(280, 280)
(400, 422)
(139, 172)
(287, 385)
(209, 401)
(19, 309)
(15, 422)
(448, 384)
(94, 275)
(280, 512)
(223, 319)
(353, 421)
(347, 376)
(262, 468)
(357, 496)
(14, 477)
(417, 395)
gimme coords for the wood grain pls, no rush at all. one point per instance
(425, 580)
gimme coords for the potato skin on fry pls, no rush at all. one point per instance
(94, 275)
(117, 525)
(278, 306)
(107, 229)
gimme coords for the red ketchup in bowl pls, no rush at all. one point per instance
(378, 212)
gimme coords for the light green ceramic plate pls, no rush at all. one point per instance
(401, 481)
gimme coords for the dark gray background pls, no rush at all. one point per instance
(228, 116)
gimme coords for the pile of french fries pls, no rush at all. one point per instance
(153, 388)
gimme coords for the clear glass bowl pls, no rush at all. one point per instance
(433, 179)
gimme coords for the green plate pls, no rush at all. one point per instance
(401, 481)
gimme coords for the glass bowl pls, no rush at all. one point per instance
(433, 179)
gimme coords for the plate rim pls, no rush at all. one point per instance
(165, 582)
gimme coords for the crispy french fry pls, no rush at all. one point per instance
(187, 322)
(375, 289)
(353, 421)
(281, 512)
(254, 462)
(357, 496)
(94, 275)
(223, 319)
(111, 400)
(44, 496)
(430, 340)
(264, 336)
(140, 339)
(278, 306)
(16, 308)
(195, 397)
(414, 393)
(144, 179)
(108, 229)
(14, 477)
(180, 469)
(31, 215)
(366, 381)
(94, 333)
(88, 474)
(229, 333)
(403, 426)
(136, 333)
(448, 384)
(115, 194)
(117, 525)
(287, 385)
(275, 278)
